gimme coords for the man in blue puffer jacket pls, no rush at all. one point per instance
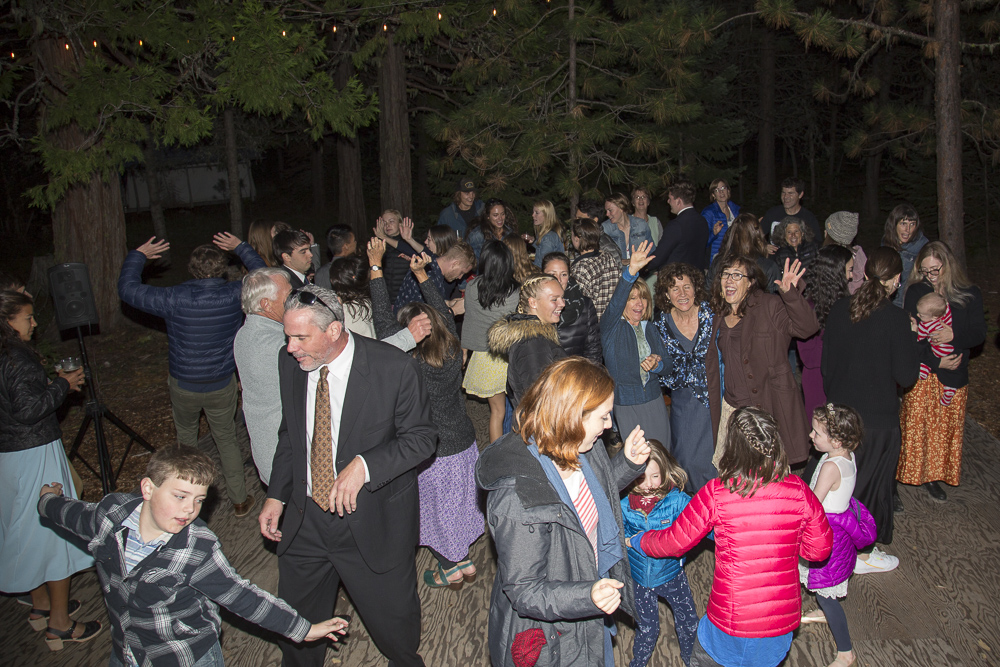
(202, 316)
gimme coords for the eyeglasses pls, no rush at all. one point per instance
(735, 276)
(309, 299)
(721, 188)
(926, 273)
(640, 198)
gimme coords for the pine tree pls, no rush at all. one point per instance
(115, 74)
(568, 98)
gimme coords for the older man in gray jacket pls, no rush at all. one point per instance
(257, 345)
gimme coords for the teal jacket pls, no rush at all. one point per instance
(647, 571)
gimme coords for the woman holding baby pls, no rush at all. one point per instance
(948, 314)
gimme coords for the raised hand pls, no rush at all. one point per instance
(379, 228)
(153, 249)
(420, 327)
(793, 273)
(312, 240)
(226, 241)
(418, 264)
(606, 594)
(718, 227)
(636, 447)
(406, 229)
(376, 249)
(640, 257)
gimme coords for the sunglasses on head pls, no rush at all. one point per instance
(309, 299)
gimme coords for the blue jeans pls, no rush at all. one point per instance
(211, 659)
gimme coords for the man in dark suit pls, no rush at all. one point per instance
(293, 248)
(686, 236)
(355, 423)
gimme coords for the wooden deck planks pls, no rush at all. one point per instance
(939, 608)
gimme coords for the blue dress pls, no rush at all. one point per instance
(31, 550)
(691, 440)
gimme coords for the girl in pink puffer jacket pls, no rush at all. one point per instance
(836, 433)
(764, 519)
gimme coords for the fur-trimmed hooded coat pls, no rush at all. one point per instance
(529, 346)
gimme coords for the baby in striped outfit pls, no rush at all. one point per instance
(934, 313)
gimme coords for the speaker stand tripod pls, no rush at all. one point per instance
(97, 412)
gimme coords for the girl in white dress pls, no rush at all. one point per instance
(836, 432)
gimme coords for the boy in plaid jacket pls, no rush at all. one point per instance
(163, 572)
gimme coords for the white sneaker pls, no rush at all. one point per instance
(878, 561)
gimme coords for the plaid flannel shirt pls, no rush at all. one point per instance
(597, 274)
(163, 610)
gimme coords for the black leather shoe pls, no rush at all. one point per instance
(937, 493)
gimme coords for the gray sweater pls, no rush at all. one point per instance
(455, 430)
(257, 345)
(478, 320)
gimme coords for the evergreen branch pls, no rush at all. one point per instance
(734, 18)
(531, 29)
(412, 83)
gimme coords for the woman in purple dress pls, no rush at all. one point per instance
(826, 281)
(450, 518)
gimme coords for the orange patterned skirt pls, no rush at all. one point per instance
(932, 434)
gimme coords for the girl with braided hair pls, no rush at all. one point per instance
(764, 519)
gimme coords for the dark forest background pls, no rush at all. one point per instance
(343, 109)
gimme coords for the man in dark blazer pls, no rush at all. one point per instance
(355, 424)
(684, 238)
(293, 248)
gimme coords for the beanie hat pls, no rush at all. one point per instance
(842, 226)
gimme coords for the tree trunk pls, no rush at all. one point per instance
(574, 198)
(766, 181)
(152, 170)
(318, 185)
(350, 189)
(739, 159)
(869, 196)
(811, 155)
(394, 131)
(88, 223)
(233, 169)
(947, 111)
(833, 152)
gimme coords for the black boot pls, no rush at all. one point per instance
(897, 504)
(937, 493)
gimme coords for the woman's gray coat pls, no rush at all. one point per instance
(546, 565)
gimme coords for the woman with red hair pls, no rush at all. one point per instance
(553, 510)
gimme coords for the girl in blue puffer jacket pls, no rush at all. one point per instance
(654, 502)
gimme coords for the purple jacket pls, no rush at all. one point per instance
(852, 530)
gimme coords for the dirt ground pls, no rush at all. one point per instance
(131, 369)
